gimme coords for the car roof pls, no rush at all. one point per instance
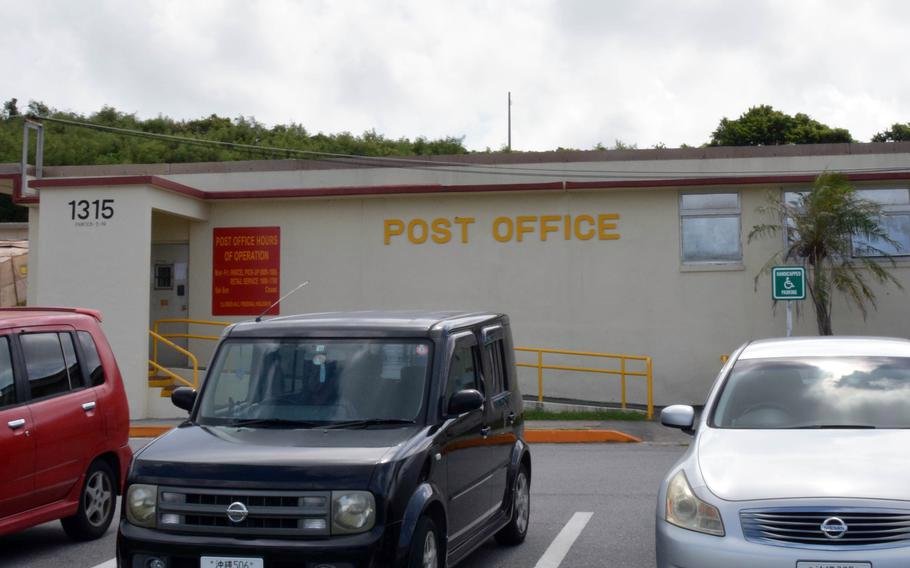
(839, 346)
(34, 315)
(414, 322)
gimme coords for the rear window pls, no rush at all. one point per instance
(91, 361)
(816, 392)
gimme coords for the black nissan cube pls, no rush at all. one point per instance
(338, 440)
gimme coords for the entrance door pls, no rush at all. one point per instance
(169, 297)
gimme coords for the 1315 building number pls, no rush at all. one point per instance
(97, 209)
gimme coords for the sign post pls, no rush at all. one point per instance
(788, 284)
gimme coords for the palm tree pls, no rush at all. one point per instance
(821, 226)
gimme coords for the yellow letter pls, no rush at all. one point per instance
(545, 226)
(522, 229)
(604, 228)
(423, 231)
(393, 227)
(507, 221)
(584, 236)
(464, 222)
(441, 231)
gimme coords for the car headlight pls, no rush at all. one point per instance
(352, 511)
(686, 510)
(141, 504)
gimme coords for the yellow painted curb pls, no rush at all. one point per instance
(578, 437)
(148, 431)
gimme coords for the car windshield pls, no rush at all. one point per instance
(816, 392)
(311, 382)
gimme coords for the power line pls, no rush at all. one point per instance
(447, 166)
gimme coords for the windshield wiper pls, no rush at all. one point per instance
(837, 427)
(274, 422)
(368, 422)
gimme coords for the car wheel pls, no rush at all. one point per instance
(517, 529)
(96, 504)
(425, 550)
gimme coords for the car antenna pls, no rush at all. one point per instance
(279, 300)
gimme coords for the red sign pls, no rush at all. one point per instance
(246, 264)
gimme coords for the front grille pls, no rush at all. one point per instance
(269, 513)
(803, 526)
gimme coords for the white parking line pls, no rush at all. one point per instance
(560, 546)
(112, 563)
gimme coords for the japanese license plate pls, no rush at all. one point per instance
(833, 565)
(229, 562)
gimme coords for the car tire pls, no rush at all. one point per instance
(425, 551)
(515, 532)
(97, 501)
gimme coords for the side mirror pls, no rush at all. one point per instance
(679, 416)
(184, 397)
(465, 401)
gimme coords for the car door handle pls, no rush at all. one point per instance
(485, 431)
(16, 424)
(89, 406)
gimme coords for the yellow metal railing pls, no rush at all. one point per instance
(623, 371)
(154, 366)
(156, 332)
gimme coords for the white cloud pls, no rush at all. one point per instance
(580, 71)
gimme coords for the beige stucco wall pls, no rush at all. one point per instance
(622, 296)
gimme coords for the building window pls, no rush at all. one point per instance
(895, 220)
(710, 227)
(164, 277)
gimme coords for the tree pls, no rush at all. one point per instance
(763, 126)
(10, 109)
(71, 145)
(897, 133)
(820, 226)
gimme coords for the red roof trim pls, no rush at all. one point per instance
(162, 183)
(155, 181)
(17, 196)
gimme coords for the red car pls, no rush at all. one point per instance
(64, 422)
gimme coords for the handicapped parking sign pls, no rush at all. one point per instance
(788, 283)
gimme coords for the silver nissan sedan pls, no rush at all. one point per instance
(801, 459)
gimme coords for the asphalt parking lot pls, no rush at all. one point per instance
(593, 503)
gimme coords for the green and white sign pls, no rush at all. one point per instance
(789, 283)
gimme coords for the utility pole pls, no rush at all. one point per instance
(509, 146)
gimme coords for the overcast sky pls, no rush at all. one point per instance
(580, 71)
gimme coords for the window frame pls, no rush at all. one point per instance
(708, 213)
(23, 366)
(888, 210)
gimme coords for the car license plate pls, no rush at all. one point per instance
(833, 565)
(229, 562)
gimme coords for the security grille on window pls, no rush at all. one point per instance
(895, 220)
(710, 227)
